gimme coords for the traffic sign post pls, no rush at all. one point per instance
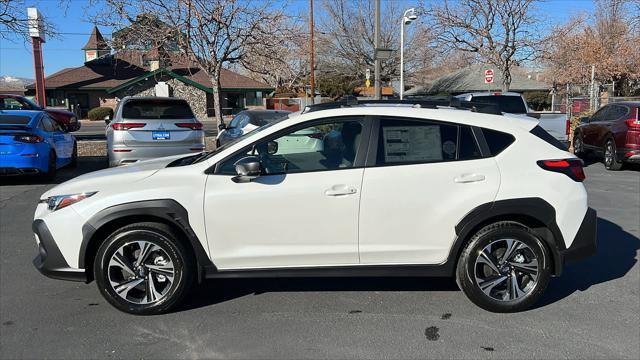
(488, 76)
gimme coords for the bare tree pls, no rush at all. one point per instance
(210, 33)
(286, 64)
(346, 40)
(608, 42)
(499, 32)
(14, 24)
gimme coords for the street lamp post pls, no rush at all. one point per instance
(408, 16)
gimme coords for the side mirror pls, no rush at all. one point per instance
(584, 120)
(222, 126)
(248, 169)
(272, 147)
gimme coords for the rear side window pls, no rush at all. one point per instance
(416, 141)
(548, 138)
(508, 104)
(497, 140)
(150, 109)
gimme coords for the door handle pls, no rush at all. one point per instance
(340, 190)
(469, 178)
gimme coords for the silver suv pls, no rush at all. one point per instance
(150, 127)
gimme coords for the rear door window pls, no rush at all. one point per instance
(402, 141)
(601, 114)
(149, 109)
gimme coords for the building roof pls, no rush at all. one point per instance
(115, 71)
(96, 41)
(471, 79)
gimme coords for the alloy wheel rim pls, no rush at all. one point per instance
(141, 272)
(608, 153)
(578, 145)
(506, 270)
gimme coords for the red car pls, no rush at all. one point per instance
(613, 132)
(63, 117)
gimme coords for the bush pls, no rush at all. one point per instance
(100, 113)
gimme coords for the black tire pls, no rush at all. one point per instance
(497, 234)
(51, 167)
(611, 161)
(172, 289)
(74, 156)
(578, 146)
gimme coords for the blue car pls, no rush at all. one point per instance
(32, 143)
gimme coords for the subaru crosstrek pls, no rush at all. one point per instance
(397, 190)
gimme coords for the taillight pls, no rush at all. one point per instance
(567, 127)
(635, 123)
(28, 138)
(127, 126)
(570, 167)
(192, 126)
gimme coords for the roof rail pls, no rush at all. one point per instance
(429, 103)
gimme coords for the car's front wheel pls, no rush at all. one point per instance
(504, 268)
(578, 145)
(144, 269)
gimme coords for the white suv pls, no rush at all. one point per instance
(397, 190)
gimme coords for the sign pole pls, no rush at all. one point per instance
(36, 32)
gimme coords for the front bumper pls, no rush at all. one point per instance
(49, 260)
(584, 244)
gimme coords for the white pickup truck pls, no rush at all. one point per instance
(510, 103)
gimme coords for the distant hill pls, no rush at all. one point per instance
(12, 82)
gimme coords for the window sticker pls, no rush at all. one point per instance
(449, 148)
(412, 143)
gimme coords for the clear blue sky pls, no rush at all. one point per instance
(16, 60)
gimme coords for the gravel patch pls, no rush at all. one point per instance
(99, 147)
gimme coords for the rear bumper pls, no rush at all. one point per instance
(13, 171)
(49, 260)
(127, 155)
(18, 164)
(584, 244)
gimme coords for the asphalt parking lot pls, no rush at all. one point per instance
(592, 311)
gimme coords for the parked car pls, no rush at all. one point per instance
(555, 123)
(403, 190)
(32, 143)
(67, 119)
(310, 139)
(246, 121)
(612, 132)
(149, 127)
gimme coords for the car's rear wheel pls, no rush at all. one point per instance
(504, 268)
(611, 161)
(144, 269)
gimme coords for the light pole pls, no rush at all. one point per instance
(408, 16)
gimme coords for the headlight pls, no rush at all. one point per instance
(62, 201)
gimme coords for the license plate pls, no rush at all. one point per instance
(160, 135)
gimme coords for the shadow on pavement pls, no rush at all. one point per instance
(86, 164)
(216, 291)
(615, 257)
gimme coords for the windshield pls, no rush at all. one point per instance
(149, 109)
(508, 104)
